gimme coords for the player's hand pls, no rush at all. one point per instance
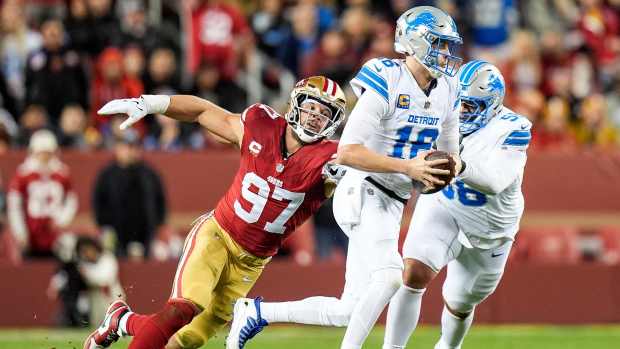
(134, 108)
(458, 165)
(333, 172)
(422, 170)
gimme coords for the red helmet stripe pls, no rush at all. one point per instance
(325, 82)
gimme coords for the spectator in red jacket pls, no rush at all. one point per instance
(40, 199)
(600, 28)
(110, 83)
(219, 35)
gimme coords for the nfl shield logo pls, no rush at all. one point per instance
(279, 168)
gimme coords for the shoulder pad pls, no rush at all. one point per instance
(375, 75)
(518, 130)
(258, 110)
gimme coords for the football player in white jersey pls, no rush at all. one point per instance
(471, 224)
(404, 105)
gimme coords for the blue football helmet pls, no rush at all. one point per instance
(481, 92)
(431, 37)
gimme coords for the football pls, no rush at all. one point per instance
(450, 165)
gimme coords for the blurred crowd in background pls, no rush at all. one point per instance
(61, 60)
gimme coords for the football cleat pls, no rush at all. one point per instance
(247, 322)
(109, 331)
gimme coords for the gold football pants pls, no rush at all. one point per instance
(213, 272)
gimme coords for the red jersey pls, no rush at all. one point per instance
(271, 194)
(38, 201)
(214, 30)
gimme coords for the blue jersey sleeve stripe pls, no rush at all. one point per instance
(382, 92)
(520, 134)
(374, 76)
(517, 141)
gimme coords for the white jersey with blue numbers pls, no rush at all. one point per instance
(486, 199)
(409, 121)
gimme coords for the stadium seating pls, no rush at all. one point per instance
(555, 245)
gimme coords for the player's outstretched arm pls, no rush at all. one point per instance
(180, 107)
(214, 118)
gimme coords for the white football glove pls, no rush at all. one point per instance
(134, 108)
(333, 172)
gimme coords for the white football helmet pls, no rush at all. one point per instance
(481, 91)
(422, 32)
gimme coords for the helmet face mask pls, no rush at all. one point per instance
(481, 95)
(439, 58)
(431, 37)
(473, 115)
(316, 109)
(314, 116)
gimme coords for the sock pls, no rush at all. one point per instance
(131, 322)
(402, 317)
(275, 312)
(384, 283)
(154, 331)
(322, 311)
(453, 329)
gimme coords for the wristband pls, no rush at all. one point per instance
(156, 104)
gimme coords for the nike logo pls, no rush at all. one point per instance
(493, 254)
(246, 279)
(377, 68)
(138, 105)
(333, 171)
(523, 127)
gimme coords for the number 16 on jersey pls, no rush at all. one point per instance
(422, 141)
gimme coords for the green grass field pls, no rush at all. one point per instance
(486, 337)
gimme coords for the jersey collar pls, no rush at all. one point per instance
(433, 83)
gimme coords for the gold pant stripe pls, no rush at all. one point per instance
(188, 247)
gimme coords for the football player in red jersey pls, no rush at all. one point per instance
(282, 180)
(40, 198)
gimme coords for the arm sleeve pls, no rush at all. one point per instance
(17, 218)
(448, 140)
(364, 119)
(493, 172)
